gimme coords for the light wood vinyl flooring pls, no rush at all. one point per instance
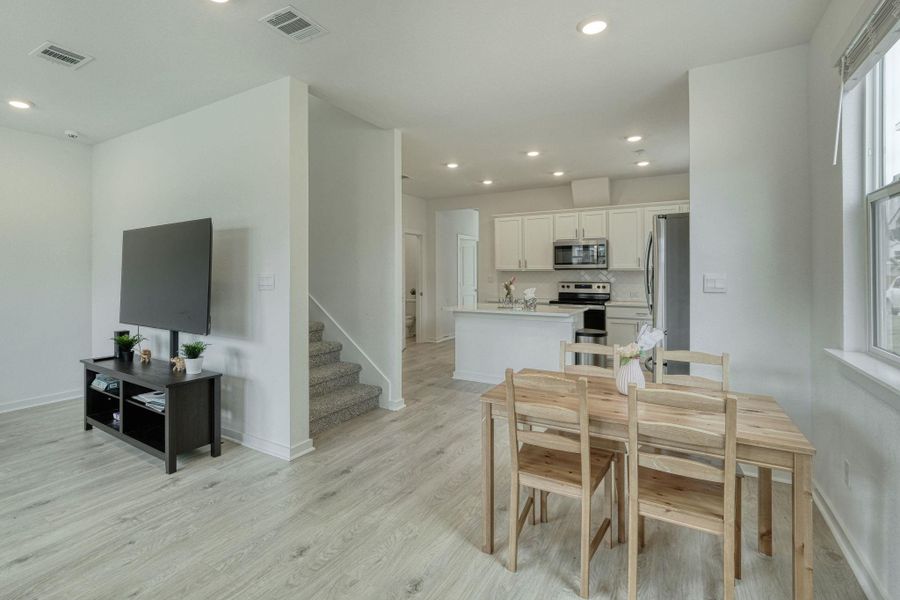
(387, 507)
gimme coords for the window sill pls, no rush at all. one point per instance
(885, 375)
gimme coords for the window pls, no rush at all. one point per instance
(883, 188)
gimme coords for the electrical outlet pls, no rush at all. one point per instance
(847, 473)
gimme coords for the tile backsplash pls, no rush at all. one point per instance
(626, 285)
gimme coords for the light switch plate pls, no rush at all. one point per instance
(715, 283)
(265, 282)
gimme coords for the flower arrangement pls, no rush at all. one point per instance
(648, 338)
(509, 287)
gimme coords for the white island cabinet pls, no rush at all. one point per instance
(490, 339)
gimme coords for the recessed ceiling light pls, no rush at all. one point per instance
(532, 153)
(220, 1)
(20, 104)
(488, 181)
(592, 26)
(633, 138)
(558, 173)
(643, 163)
(452, 165)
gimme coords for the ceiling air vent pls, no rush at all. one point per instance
(290, 22)
(60, 56)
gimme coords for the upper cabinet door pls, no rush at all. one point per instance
(565, 226)
(508, 243)
(625, 240)
(593, 224)
(537, 243)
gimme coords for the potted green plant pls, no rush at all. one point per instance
(193, 356)
(126, 343)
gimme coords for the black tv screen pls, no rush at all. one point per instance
(166, 272)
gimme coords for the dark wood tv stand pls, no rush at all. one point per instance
(191, 418)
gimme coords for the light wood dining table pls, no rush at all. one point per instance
(766, 438)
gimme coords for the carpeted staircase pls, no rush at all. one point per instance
(335, 393)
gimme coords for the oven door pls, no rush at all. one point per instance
(582, 254)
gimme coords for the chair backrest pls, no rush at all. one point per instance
(612, 352)
(687, 356)
(538, 396)
(679, 424)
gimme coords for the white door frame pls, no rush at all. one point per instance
(459, 238)
(420, 289)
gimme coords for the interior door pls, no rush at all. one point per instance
(467, 269)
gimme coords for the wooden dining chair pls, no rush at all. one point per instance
(678, 489)
(551, 462)
(611, 352)
(690, 357)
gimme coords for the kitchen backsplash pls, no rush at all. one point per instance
(626, 285)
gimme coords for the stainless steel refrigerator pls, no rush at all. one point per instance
(667, 277)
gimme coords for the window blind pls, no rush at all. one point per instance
(876, 36)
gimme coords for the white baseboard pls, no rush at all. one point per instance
(276, 449)
(873, 588)
(40, 400)
(477, 377)
(393, 404)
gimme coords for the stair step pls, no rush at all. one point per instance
(316, 329)
(325, 378)
(341, 405)
(323, 353)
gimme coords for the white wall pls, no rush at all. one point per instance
(448, 225)
(45, 270)
(852, 419)
(414, 214)
(356, 239)
(237, 162)
(750, 204)
(638, 190)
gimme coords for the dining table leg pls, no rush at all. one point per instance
(803, 527)
(764, 511)
(487, 478)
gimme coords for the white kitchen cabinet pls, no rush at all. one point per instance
(625, 238)
(620, 332)
(565, 226)
(684, 207)
(537, 243)
(508, 243)
(623, 323)
(593, 224)
(650, 214)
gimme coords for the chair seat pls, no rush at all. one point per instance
(559, 472)
(681, 500)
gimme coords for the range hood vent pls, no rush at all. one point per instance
(291, 22)
(60, 56)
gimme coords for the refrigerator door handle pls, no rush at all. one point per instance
(648, 274)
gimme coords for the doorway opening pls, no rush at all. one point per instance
(412, 287)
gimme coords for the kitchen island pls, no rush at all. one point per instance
(490, 339)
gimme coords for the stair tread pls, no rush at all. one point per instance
(341, 398)
(316, 325)
(333, 370)
(324, 347)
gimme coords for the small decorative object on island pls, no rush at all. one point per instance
(177, 364)
(145, 356)
(631, 355)
(530, 299)
(509, 287)
(126, 343)
(193, 356)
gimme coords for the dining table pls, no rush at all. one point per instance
(766, 438)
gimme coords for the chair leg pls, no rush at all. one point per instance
(633, 544)
(620, 497)
(640, 533)
(534, 506)
(513, 524)
(610, 503)
(737, 528)
(585, 544)
(728, 559)
(545, 517)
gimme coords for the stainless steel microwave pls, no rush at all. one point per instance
(580, 254)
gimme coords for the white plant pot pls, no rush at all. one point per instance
(630, 373)
(193, 366)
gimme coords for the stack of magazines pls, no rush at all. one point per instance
(153, 400)
(105, 383)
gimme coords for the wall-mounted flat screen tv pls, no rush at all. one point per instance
(166, 273)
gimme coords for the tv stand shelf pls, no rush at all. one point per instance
(191, 418)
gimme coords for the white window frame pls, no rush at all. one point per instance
(889, 191)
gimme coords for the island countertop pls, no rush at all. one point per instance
(543, 310)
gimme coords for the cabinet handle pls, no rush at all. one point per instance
(526, 263)
(520, 263)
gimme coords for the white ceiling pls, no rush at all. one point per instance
(472, 81)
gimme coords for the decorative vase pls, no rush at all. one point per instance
(630, 373)
(193, 366)
(126, 355)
